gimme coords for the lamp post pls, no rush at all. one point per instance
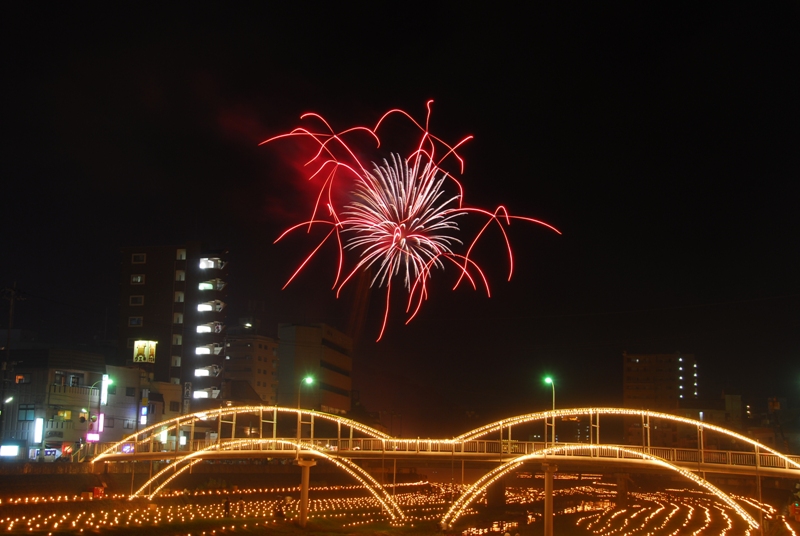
(308, 380)
(553, 425)
(305, 464)
(549, 469)
(102, 398)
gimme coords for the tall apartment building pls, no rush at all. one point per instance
(254, 359)
(658, 382)
(172, 297)
(321, 352)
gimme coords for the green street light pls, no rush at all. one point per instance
(308, 380)
(552, 383)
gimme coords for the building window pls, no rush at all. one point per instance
(180, 275)
(112, 389)
(26, 412)
(64, 414)
(130, 391)
(174, 406)
(212, 262)
(180, 255)
(136, 300)
(138, 258)
(137, 279)
(22, 378)
(128, 424)
(134, 321)
(177, 318)
(176, 361)
(178, 296)
(108, 422)
(177, 339)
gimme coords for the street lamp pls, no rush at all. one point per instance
(308, 380)
(102, 399)
(553, 426)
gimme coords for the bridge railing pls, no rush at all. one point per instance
(502, 449)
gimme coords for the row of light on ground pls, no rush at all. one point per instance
(651, 515)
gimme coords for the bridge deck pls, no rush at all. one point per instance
(574, 455)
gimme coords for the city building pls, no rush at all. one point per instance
(172, 301)
(253, 359)
(657, 382)
(319, 352)
(60, 399)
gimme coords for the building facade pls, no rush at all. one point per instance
(173, 298)
(657, 382)
(319, 352)
(254, 359)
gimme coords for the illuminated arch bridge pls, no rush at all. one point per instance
(253, 431)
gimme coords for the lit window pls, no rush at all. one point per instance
(212, 262)
(202, 350)
(205, 328)
(26, 412)
(180, 255)
(180, 275)
(134, 321)
(177, 339)
(215, 305)
(178, 296)
(22, 378)
(138, 258)
(137, 279)
(136, 300)
(176, 361)
(200, 394)
(177, 318)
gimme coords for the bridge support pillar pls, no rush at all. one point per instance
(99, 468)
(305, 466)
(496, 495)
(622, 489)
(548, 469)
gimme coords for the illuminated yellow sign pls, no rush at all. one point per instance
(144, 351)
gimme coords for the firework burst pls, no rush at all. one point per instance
(399, 221)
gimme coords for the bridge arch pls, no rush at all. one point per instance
(145, 434)
(596, 412)
(373, 486)
(471, 493)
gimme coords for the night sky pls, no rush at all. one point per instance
(662, 141)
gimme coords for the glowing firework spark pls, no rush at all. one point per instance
(399, 219)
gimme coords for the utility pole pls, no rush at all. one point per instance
(12, 295)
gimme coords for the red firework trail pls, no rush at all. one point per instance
(400, 220)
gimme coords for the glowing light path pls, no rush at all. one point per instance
(372, 485)
(492, 476)
(399, 215)
(594, 413)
